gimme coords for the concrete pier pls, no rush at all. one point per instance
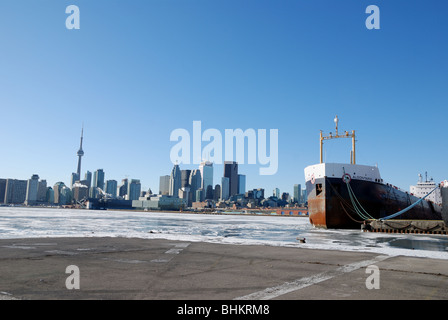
(129, 268)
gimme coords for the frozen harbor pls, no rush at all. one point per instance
(21, 222)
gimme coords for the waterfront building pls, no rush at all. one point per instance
(2, 190)
(62, 194)
(123, 189)
(42, 191)
(111, 188)
(49, 195)
(15, 191)
(231, 172)
(31, 190)
(134, 189)
(80, 192)
(159, 202)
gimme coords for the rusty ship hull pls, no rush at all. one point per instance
(331, 205)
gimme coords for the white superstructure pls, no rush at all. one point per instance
(424, 187)
(337, 170)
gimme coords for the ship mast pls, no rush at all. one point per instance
(345, 135)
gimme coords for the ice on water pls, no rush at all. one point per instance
(22, 222)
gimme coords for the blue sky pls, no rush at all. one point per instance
(137, 70)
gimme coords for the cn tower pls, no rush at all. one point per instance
(80, 154)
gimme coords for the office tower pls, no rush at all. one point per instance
(225, 187)
(15, 191)
(42, 191)
(231, 172)
(304, 196)
(185, 178)
(206, 169)
(241, 184)
(74, 177)
(209, 193)
(98, 179)
(80, 154)
(80, 192)
(134, 189)
(123, 189)
(31, 190)
(276, 193)
(297, 193)
(217, 193)
(62, 194)
(195, 182)
(185, 193)
(200, 195)
(50, 195)
(164, 185)
(111, 188)
(2, 190)
(88, 178)
(175, 181)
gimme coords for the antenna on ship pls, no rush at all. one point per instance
(345, 135)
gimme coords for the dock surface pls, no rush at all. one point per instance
(131, 268)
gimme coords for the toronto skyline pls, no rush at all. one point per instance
(135, 71)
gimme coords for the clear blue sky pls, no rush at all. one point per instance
(137, 70)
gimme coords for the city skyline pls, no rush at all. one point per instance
(159, 66)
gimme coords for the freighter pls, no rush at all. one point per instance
(344, 196)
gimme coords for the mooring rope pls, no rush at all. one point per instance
(367, 216)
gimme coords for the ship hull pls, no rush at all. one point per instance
(331, 206)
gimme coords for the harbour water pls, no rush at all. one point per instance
(23, 222)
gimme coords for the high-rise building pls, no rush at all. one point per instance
(217, 192)
(175, 181)
(88, 178)
(42, 191)
(185, 178)
(297, 193)
(98, 179)
(241, 184)
(31, 190)
(98, 182)
(74, 177)
(276, 193)
(111, 188)
(206, 169)
(15, 191)
(225, 194)
(231, 172)
(164, 185)
(123, 189)
(195, 182)
(134, 189)
(2, 190)
(62, 194)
